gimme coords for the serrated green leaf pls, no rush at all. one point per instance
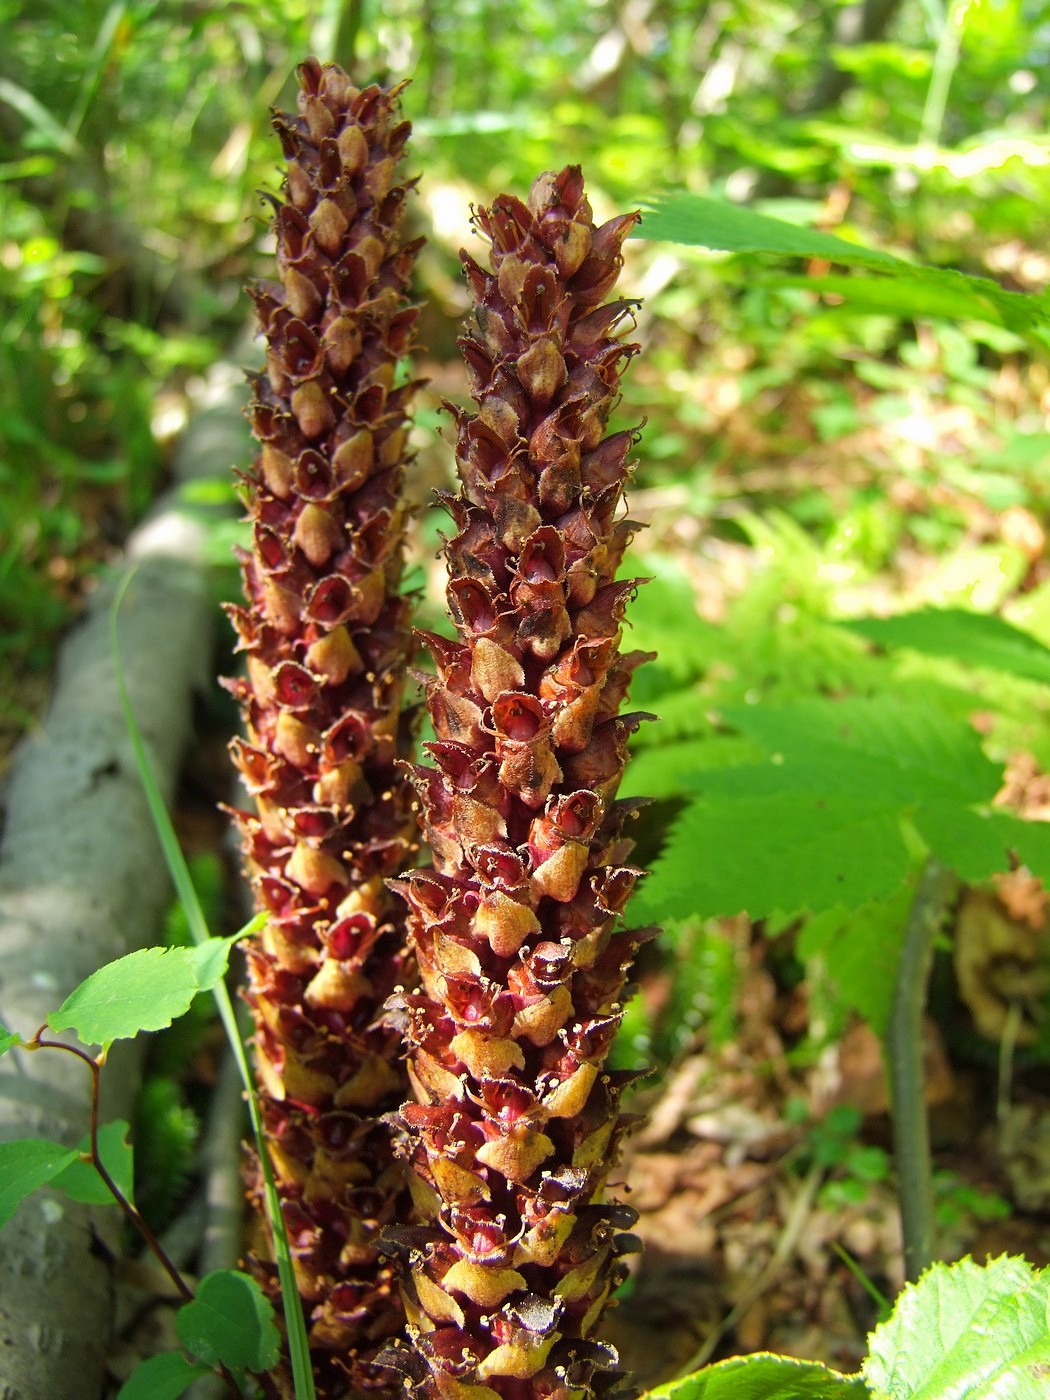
(667, 770)
(711, 223)
(976, 844)
(788, 852)
(81, 1180)
(982, 1332)
(230, 1321)
(977, 639)
(8, 1039)
(893, 752)
(163, 1377)
(763, 1376)
(907, 296)
(714, 223)
(860, 948)
(26, 1165)
(823, 821)
(144, 991)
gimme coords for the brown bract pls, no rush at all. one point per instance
(326, 634)
(517, 927)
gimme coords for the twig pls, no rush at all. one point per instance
(131, 1211)
(934, 897)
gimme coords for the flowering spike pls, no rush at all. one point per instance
(516, 928)
(327, 641)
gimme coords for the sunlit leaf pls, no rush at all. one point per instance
(211, 960)
(977, 639)
(824, 821)
(144, 991)
(763, 1377)
(717, 224)
(966, 1330)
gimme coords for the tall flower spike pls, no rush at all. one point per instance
(516, 928)
(326, 632)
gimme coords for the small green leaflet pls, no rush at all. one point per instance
(827, 818)
(211, 959)
(976, 639)
(144, 991)
(81, 1181)
(7, 1039)
(763, 1376)
(230, 1321)
(966, 1330)
(26, 1165)
(163, 1377)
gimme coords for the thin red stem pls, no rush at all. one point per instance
(131, 1211)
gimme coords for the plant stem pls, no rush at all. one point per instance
(132, 1212)
(934, 896)
(944, 64)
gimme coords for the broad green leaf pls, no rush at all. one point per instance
(144, 991)
(982, 1332)
(882, 749)
(909, 297)
(667, 770)
(711, 223)
(823, 821)
(26, 1165)
(714, 223)
(786, 852)
(7, 1039)
(978, 639)
(81, 1179)
(860, 948)
(230, 1321)
(163, 1377)
(763, 1376)
(1029, 841)
(977, 844)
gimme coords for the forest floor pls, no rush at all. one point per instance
(762, 1169)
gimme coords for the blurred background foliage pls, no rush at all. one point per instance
(809, 456)
(134, 138)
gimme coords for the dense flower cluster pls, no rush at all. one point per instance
(517, 927)
(326, 634)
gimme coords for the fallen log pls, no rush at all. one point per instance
(82, 882)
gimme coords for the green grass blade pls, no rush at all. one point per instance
(298, 1347)
(38, 117)
(96, 67)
